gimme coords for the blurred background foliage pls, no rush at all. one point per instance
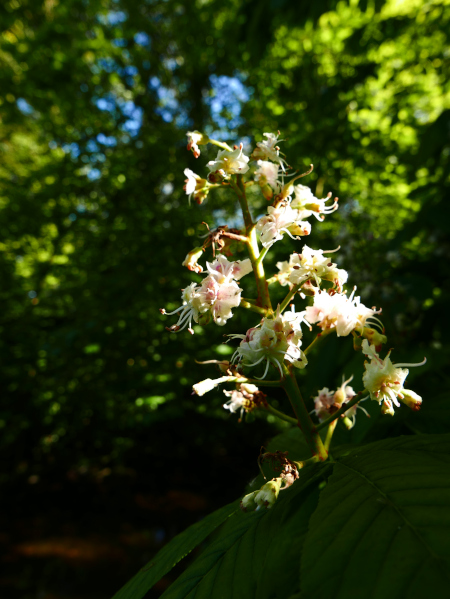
(95, 100)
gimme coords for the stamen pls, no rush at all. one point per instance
(265, 371)
(424, 361)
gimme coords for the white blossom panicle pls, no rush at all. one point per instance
(267, 177)
(274, 340)
(304, 199)
(230, 163)
(269, 150)
(218, 294)
(337, 311)
(195, 186)
(195, 138)
(279, 220)
(385, 380)
(312, 264)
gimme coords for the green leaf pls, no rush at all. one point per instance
(434, 415)
(382, 526)
(173, 552)
(256, 554)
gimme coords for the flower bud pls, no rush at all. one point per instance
(195, 186)
(268, 494)
(204, 386)
(348, 423)
(410, 399)
(374, 337)
(191, 260)
(195, 139)
(217, 176)
(248, 502)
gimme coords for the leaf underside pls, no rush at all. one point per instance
(256, 555)
(382, 526)
(173, 552)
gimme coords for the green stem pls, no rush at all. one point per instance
(329, 436)
(304, 421)
(307, 462)
(250, 306)
(289, 296)
(220, 144)
(262, 255)
(252, 244)
(316, 340)
(342, 410)
(280, 415)
(272, 280)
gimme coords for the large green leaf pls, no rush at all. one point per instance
(382, 526)
(173, 552)
(434, 416)
(255, 555)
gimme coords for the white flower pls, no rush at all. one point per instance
(322, 403)
(274, 340)
(327, 402)
(385, 380)
(342, 396)
(338, 311)
(222, 268)
(268, 150)
(305, 200)
(285, 271)
(195, 138)
(193, 304)
(231, 163)
(344, 393)
(267, 177)
(312, 264)
(280, 220)
(218, 293)
(221, 297)
(196, 186)
(242, 399)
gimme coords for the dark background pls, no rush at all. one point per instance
(105, 453)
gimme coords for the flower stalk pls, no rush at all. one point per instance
(304, 421)
(252, 245)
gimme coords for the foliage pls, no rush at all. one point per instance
(377, 518)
